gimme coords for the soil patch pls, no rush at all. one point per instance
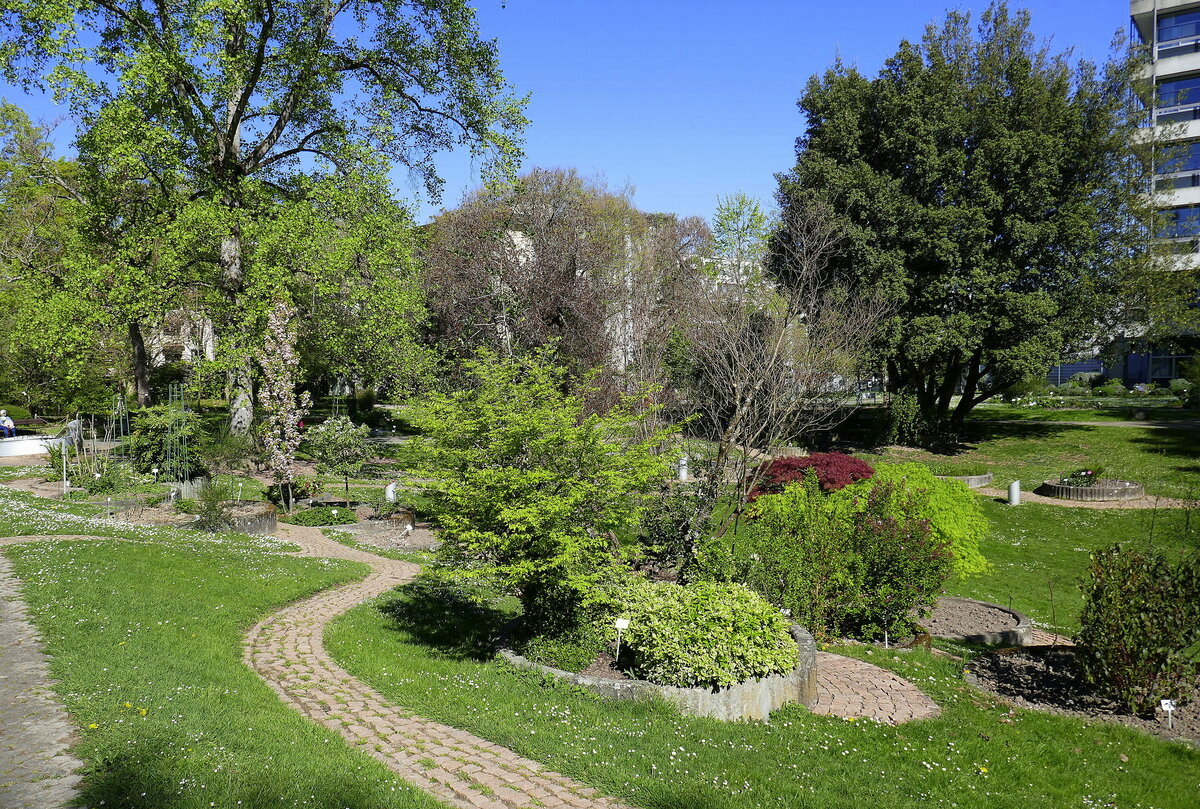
(605, 667)
(964, 617)
(1047, 678)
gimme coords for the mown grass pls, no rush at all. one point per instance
(1039, 553)
(145, 638)
(434, 656)
(1165, 461)
(1087, 410)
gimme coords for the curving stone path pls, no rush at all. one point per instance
(287, 651)
(459, 768)
(851, 688)
(36, 771)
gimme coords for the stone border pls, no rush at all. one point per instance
(263, 523)
(972, 481)
(1020, 635)
(754, 699)
(22, 445)
(1106, 489)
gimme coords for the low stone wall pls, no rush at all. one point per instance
(973, 481)
(256, 518)
(28, 445)
(1104, 489)
(755, 699)
(1020, 635)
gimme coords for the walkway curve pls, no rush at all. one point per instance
(854, 689)
(36, 769)
(463, 770)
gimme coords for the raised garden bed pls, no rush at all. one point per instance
(1101, 489)
(965, 620)
(754, 699)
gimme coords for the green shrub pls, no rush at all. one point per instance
(796, 551)
(212, 507)
(167, 439)
(320, 515)
(573, 651)
(952, 509)
(664, 526)
(1087, 379)
(340, 447)
(906, 425)
(1140, 625)
(1112, 389)
(302, 486)
(16, 412)
(1179, 387)
(1072, 390)
(706, 634)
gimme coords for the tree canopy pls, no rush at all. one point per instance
(989, 187)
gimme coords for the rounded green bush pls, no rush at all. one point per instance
(321, 515)
(706, 634)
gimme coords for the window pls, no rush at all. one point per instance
(1180, 223)
(1178, 92)
(1180, 158)
(1178, 26)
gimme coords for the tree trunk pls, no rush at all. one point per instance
(241, 377)
(141, 365)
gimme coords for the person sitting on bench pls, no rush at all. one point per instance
(7, 425)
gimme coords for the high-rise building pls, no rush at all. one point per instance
(1170, 29)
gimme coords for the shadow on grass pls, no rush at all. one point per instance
(447, 620)
(1179, 447)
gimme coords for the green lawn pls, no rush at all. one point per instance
(434, 657)
(1089, 410)
(1165, 461)
(145, 638)
(1040, 552)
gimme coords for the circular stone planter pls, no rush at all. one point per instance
(1020, 633)
(972, 481)
(252, 518)
(754, 699)
(1103, 489)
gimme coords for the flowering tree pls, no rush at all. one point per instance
(282, 408)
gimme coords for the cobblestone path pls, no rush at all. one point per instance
(1044, 637)
(848, 687)
(459, 768)
(36, 772)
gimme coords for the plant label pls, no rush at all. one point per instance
(1167, 705)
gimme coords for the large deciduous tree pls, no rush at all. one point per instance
(991, 188)
(557, 257)
(235, 100)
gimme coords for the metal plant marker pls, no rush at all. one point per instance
(621, 624)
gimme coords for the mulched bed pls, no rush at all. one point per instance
(605, 667)
(1047, 678)
(966, 618)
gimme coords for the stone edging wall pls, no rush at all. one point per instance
(1020, 635)
(262, 523)
(972, 481)
(754, 699)
(1105, 489)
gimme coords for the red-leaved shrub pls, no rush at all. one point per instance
(834, 471)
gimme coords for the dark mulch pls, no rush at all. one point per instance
(1047, 678)
(605, 667)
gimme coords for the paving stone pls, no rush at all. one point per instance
(854, 689)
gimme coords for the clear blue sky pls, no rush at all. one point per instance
(687, 100)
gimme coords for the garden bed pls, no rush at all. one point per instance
(1103, 489)
(754, 699)
(1047, 678)
(966, 620)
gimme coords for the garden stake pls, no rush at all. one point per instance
(621, 624)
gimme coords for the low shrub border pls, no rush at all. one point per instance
(1104, 489)
(754, 699)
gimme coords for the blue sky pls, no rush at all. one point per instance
(688, 100)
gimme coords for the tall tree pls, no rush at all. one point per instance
(242, 98)
(991, 188)
(554, 256)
